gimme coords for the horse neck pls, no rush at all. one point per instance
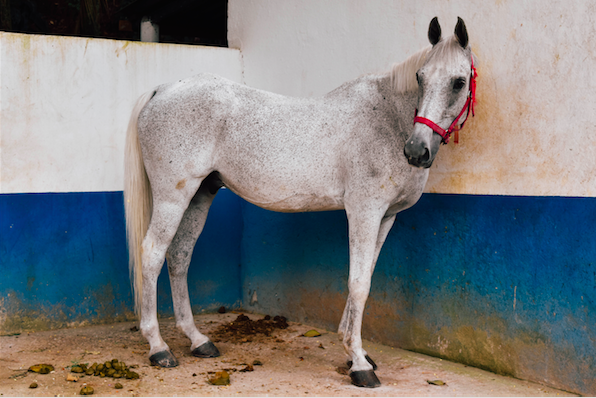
(404, 102)
(376, 91)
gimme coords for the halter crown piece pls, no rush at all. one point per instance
(454, 128)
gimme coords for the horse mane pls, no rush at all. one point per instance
(403, 75)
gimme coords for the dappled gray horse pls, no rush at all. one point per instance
(352, 149)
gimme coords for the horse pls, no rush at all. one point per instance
(355, 148)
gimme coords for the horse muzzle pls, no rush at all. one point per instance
(418, 154)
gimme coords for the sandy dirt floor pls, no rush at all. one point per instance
(291, 365)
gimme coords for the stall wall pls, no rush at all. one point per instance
(496, 265)
(64, 107)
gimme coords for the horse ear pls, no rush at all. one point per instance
(461, 33)
(434, 31)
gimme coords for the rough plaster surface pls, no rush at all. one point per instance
(65, 104)
(533, 131)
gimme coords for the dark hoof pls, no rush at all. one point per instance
(374, 365)
(206, 350)
(165, 359)
(365, 378)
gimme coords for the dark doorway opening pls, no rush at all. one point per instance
(201, 22)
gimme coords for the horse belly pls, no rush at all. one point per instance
(302, 203)
(283, 180)
(282, 198)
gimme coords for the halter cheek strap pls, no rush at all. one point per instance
(454, 128)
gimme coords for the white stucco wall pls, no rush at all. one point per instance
(65, 104)
(534, 128)
(532, 135)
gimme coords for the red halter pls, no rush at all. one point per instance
(454, 128)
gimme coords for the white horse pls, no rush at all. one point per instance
(345, 150)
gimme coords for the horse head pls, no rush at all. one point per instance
(446, 89)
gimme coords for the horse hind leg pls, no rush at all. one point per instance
(178, 259)
(169, 207)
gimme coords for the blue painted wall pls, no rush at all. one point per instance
(502, 283)
(64, 261)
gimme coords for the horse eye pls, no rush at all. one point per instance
(417, 78)
(459, 84)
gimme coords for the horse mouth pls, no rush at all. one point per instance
(423, 161)
(422, 165)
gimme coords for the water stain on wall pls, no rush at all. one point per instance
(19, 315)
(519, 143)
(524, 356)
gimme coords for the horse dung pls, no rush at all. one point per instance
(41, 369)
(221, 379)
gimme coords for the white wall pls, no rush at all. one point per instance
(534, 128)
(533, 133)
(65, 104)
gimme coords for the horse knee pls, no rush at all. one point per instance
(359, 293)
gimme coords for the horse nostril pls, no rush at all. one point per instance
(417, 156)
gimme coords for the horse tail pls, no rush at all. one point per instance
(138, 200)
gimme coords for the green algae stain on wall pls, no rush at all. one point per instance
(18, 315)
(524, 356)
(465, 344)
(524, 353)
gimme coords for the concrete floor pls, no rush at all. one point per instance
(292, 365)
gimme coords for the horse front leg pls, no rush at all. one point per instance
(365, 232)
(386, 224)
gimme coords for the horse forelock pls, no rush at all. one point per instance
(448, 50)
(403, 75)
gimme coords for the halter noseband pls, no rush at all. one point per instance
(454, 128)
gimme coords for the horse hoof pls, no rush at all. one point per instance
(374, 365)
(165, 359)
(365, 378)
(206, 350)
